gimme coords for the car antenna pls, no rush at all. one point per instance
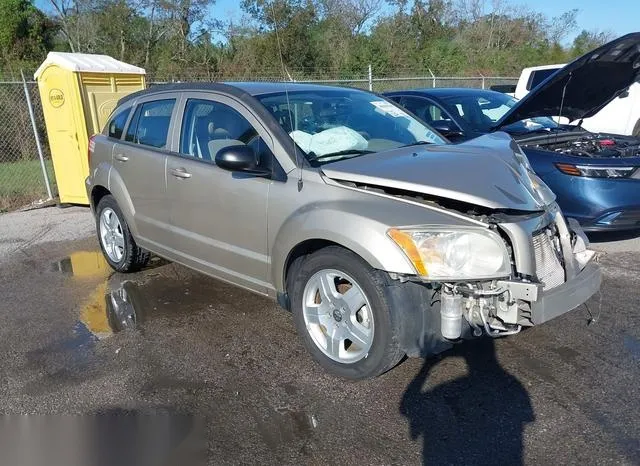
(564, 90)
(286, 93)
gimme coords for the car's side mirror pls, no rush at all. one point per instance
(240, 159)
(624, 94)
(447, 128)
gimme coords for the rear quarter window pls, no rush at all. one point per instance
(115, 127)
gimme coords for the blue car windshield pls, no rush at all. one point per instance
(332, 124)
(483, 110)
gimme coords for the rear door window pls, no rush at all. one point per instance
(150, 123)
(425, 109)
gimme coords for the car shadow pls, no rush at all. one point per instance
(475, 419)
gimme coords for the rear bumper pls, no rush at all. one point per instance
(88, 186)
(567, 296)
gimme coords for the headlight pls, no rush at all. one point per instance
(522, 157)
(594, 171)
(454, 254)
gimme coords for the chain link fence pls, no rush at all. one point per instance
(22, 179)
(25, 175)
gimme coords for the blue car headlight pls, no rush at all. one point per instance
(595, 171)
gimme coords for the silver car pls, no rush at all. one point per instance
(382, 239)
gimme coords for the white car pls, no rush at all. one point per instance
(620, 116)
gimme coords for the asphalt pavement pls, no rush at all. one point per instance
(198, 372)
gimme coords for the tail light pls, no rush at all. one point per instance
(92, 146)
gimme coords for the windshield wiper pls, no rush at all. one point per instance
(419, 143)
(538, 130)
(316, 158)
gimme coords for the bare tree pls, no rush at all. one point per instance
(355, 14)
(64, 9)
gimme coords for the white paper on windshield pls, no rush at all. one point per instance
(337, 139)
(388, 108)
(530, 124)
(302, 139)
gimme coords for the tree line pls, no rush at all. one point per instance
(182, 39)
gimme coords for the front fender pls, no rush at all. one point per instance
(357, 221)
(342, 228)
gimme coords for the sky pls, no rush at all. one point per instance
(618, 16)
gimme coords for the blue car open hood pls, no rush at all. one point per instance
(588, 84)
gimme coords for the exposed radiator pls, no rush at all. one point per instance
(548, 266)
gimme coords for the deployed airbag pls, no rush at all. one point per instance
(330, 140)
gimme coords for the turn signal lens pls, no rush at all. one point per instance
(568, 169)
(405, 241)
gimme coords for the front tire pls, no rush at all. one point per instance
(342, 315)
(118, 246)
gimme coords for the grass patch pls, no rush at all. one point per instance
(22, 182)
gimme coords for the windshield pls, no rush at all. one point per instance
(483, 110)
(333, 124)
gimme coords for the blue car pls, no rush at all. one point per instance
(596, 177)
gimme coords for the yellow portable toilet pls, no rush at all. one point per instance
(78, 93)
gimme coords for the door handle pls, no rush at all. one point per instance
(180, 173)
(121, 157)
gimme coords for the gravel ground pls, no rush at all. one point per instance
(200, 369)
(21, 230)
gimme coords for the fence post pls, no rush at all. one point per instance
(370, 79)
(483, 78)
(37, 137)
(433, 77)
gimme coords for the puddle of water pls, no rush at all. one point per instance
(83, 264)
(112, 305)
(112, 309)
(120, 301)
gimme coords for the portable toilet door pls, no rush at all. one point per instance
(79, 92)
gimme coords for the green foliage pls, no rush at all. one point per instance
(184, 39)
(588, 40)
(25, 32)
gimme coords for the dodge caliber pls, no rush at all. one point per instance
(382, 239)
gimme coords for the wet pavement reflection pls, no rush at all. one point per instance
(115, 304)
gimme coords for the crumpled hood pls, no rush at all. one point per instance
(489, 171)
(588, 83)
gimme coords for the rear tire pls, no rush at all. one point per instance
(342, 314)
(118, 246)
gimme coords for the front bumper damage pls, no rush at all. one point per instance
(568, 296)
(435, 315)
(564, 278)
